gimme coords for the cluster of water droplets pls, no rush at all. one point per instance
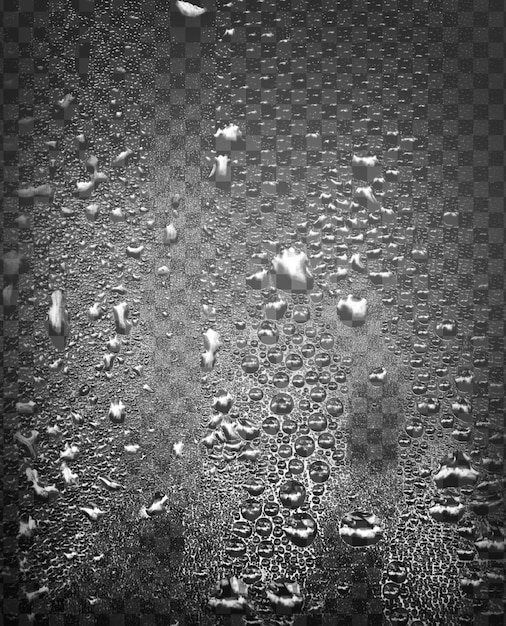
(91, 247)
(276, 379)
(282, 422)
(357, 241)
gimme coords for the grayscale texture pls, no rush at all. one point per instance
(253, 296)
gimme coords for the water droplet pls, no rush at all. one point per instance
(250, 363)
(300, 313)
(271, 425)
(282, 404)
(292, 494)
(301, 529)
(268, 332)
(256, 394)
(293, 361)
(251, 509)
(304, 446)
(319, 471)
(352, 311)
(455, 470)
(281, 380)
(334, 407)
(414, 427)
(360, 528)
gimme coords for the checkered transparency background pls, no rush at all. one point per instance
(432, 71)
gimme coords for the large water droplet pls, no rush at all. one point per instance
(282, 404)
(300, 529)
(292, 494)
(360, 529)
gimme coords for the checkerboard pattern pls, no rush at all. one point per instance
(418, 84)
(16, 309)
